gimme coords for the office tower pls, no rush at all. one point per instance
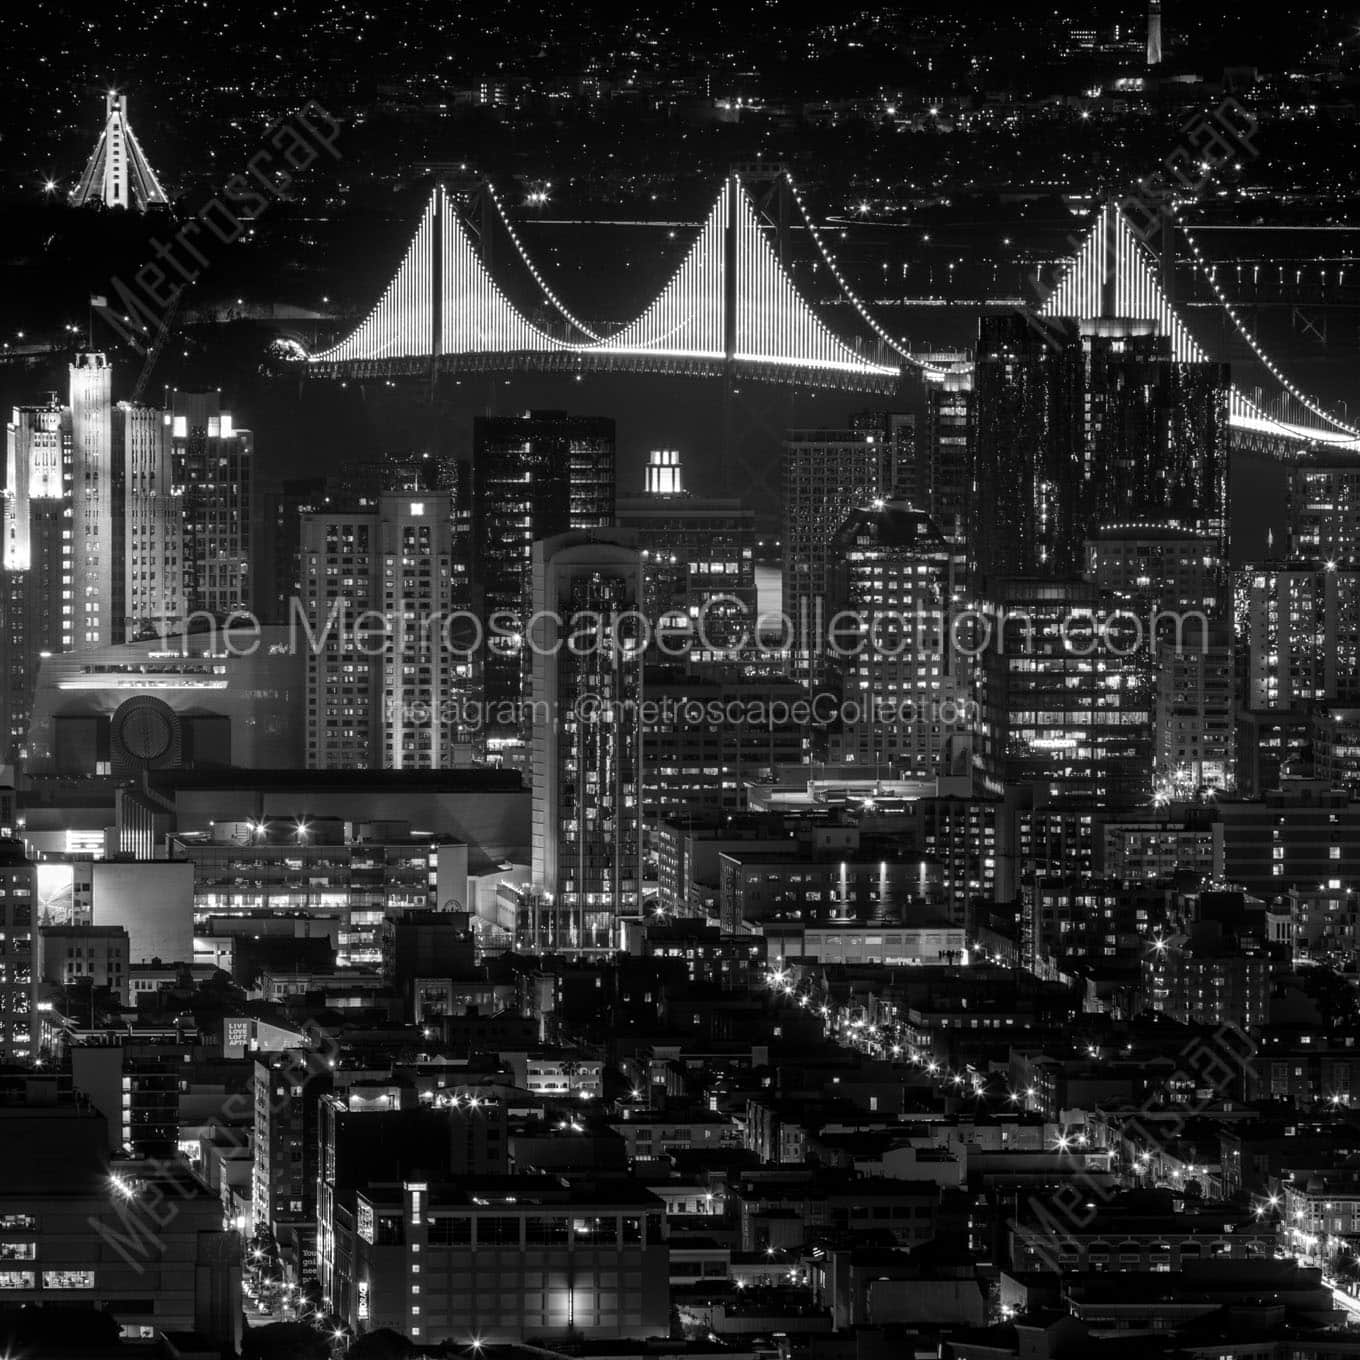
(1298, 633)
(906, 687)
(96, 543)
(382, 685)
(1154, 33)
(39, 611)
(1082, 424)
(827, 475)
(533, 476)
(18, 894)
(214, 469)
(698, 559)
(91, 530)
(945, 455)
(1324, 511)
(1155, 568)
(1065, 701)
(153, 540)
(1194, 743)
(587, 756)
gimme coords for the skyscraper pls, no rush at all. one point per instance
(906, 687)
(382, 681)
(92, 540)
(153, 523)
(1088, 423)
(945, 454)
(1154, 33)
(827, 475)
(587, 746)
(214, 469)
(533, 476)
(97, 548)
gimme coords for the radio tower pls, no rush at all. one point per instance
(1154, 33)
(118, 174)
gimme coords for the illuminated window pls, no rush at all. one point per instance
(68, 1279)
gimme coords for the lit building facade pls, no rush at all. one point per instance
(18, 938)
(1080, 424)
(1297, 627)
(533, 476)
(214, 470)
(827, 474)
(1065, 696)
(587, 739)
(506, 1258)
(698, 559)
(900, 583)
(383, 675)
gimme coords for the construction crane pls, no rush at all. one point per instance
(157, 344)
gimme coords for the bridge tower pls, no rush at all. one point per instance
(118, 174)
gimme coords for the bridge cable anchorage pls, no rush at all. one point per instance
(530, 266)
(929, 369)
(1112, 275)
(1207, 270)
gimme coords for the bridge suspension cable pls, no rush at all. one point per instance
(533, 269)
(686, 320)
(402, 321)
(845, 288)
(1207, 270)
(475, 316)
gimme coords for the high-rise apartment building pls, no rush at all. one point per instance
(1195, 740)
(214, 469)
(1297, 626)
(587, 740)
(905, 684)
(382, 683)
(1324, 511)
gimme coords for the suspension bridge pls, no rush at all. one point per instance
(730, 309)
